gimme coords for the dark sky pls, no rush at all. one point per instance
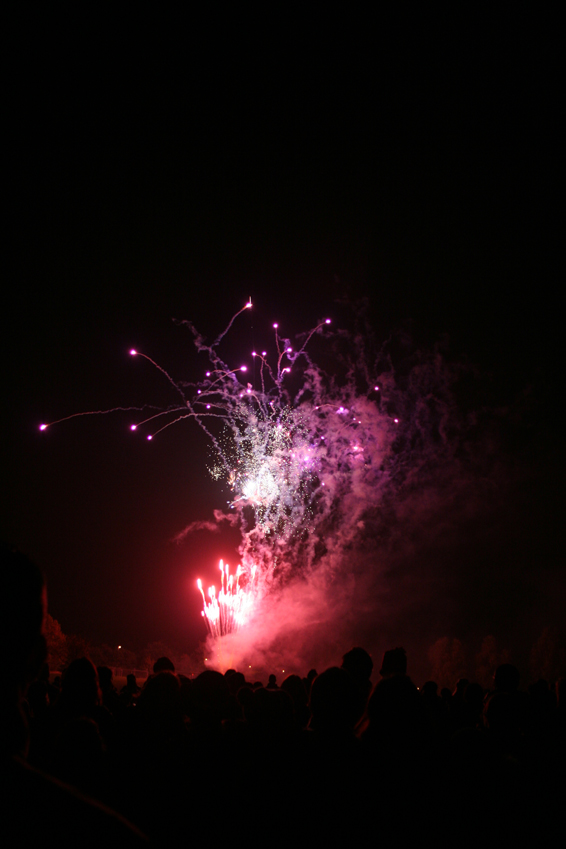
(170, 167)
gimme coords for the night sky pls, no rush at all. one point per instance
(166, 167)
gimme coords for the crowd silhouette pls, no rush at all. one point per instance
(326, 758)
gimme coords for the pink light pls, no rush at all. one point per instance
(133, 352)
(264, 353)
(289, 350)
(244, 368)
(276, 326)
(396, 421)
(43, 427)
(376, 388)
(254, 354)
(133, 427)
(150, 437)
(327, 321)
(249, 304)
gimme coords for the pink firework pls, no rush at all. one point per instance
(231, 607)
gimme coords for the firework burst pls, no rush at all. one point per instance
(299, 449)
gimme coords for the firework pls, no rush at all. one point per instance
(230, 608)
(302, 453)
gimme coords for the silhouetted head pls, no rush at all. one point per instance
(460, 687)
(235, 681)
(358, 663)
(210, 697)
(429, 690)
(334, 700)
(105, 676)
(160, 701)
(293, 685)
(394, 662)
(163, 664)
(80, 690)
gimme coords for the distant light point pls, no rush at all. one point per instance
(43, 427)
(133, 352)
(150, 437)
(133, 427)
